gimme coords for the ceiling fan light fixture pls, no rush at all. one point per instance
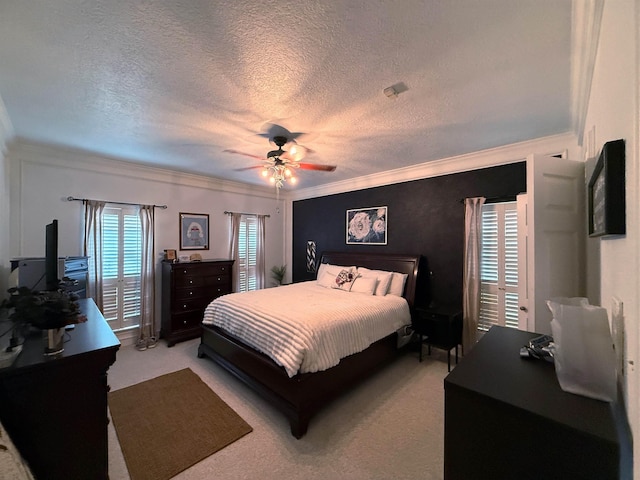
(297, 152)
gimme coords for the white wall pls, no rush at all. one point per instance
(613, 114)
(42, 177)
(6, 132)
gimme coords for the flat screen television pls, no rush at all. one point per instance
(51, 256)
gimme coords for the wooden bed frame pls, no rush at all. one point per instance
(301, 396)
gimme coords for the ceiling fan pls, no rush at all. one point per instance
(279, 164)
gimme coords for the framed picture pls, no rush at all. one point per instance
(194, 231)
(367, 226)
(170, 255)
(606, 192)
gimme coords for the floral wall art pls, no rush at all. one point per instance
(367, 225)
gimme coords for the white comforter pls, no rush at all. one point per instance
(305, 327)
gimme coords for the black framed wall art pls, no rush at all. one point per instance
(606, 192)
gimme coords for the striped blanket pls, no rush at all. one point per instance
(305, 327)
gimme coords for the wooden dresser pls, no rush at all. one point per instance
(55, 408)
(507, 418)
(187, 289)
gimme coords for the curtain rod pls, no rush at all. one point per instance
(244, 213)
(73, 199)
(504, 198)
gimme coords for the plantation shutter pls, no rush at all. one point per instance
(247, 253)
(121, 264)
(499, 266)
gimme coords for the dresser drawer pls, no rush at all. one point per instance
(187, 305)
(221, 279)
(219, 290)
(182, 321)
(191, 293)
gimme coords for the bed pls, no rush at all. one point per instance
(300, 395)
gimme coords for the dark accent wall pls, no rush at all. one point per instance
(425, 217)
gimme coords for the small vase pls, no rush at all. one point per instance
(53, 341)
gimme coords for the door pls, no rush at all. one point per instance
(523, 255)
(555, 219)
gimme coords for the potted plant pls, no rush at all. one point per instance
(277, 273)
(50, 311)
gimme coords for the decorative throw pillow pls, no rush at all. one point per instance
(365, 284)
(397, 284)
(384, 279)
(344, 279)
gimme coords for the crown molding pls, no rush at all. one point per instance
(564, 144)
(66, 157)
(586, 17)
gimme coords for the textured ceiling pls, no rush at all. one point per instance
(176, 83)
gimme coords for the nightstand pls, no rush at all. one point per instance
(442, 325)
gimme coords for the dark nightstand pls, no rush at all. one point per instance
(442, 325)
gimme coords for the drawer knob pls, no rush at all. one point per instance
(190, 282)
(184, 306)
(219, 279)
(184, 271)
(219, 290)
(184, 322)
(190, 293)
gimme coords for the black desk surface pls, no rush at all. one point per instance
(494, 368)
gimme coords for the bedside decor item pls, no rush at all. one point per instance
(194, 231)
(170, 255)
(311, 256)
(367, 225)
(606, 192)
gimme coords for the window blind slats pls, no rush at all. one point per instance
(499, 266)
(121, 264)
(247, 253)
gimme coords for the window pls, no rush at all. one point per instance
(248, 253)
(499, 266)
(121, 263)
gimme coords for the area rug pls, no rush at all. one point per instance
(171, 422)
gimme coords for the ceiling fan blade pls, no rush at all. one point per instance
(248, 168)
(270, 130)
(257, 157)
(315, 166)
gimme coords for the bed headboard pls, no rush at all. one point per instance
(381, 261)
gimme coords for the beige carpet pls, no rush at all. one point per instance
(167, 424)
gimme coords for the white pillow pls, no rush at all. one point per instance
(397, 284)
(384, 279)
(344, 279)
(365, 284)
(327, 278)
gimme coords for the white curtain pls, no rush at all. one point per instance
(261, 276)
(471, 277)
(93, 248)
(148, 334)
(233, 248)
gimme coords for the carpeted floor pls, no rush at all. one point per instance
(166, 424)
(391, 426)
